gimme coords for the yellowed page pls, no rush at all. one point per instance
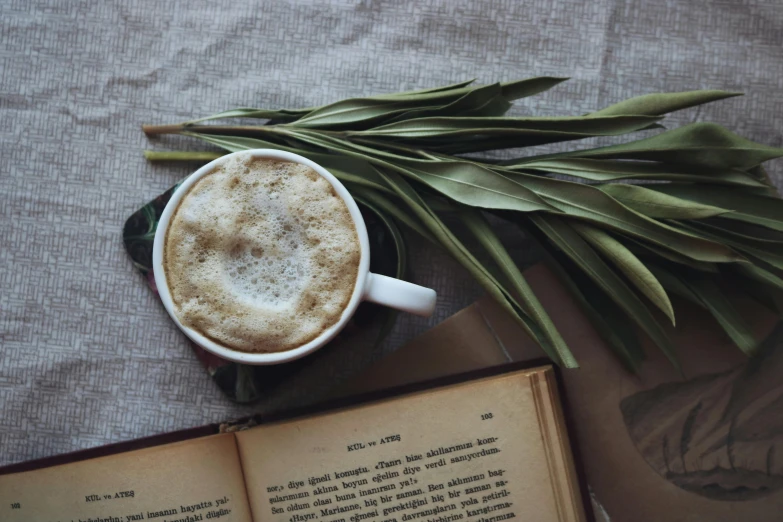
(472, 451)
(200, 479)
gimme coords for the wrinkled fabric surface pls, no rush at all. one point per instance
(87, 354)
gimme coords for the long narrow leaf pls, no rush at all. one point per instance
(663, 103)
(529, 87)
(464, 182)
(458, 250)
(605, 317)
(584, 256)
(590, 203)
(629, 264)
(616, 170)
(724, 313)
(472, 100)
(472, 184)
(761, 174)
(375, 108)
(770, 244)
(406, 94)
(452, 126)
(761, 275)
(706, 294)
(354, 112)
(493, 108)
(467, 144)
(769, 297)
(264, 114)
(647, 251)
(344, 168)
(392, 209)
(659, 205)
(759, 210)
(704, 144)
(748, 230)
(476, 223)
(674, 284)
(763, 253)
(237, 143)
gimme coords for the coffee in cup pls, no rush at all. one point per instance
(267, 260)
(261, 255)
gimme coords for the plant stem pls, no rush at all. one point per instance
(226, 130)
(164, 155)
(156, 130)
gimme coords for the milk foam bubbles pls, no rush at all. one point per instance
(261, 255)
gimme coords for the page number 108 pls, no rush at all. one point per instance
(16, 505)
(486, 416)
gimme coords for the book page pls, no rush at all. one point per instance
(199, 479)
(479, 451)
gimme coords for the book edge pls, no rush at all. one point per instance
(554, 436)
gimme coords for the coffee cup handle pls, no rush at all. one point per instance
(399, 294)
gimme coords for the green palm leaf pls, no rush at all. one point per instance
(706, 210)
(628, 264)
(476, 223)
(662, 103)
(596, 269)
(702, 144)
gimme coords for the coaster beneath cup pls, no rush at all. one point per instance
(245, 383)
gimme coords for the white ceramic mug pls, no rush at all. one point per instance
(369, 287)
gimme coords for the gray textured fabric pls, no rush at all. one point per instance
(87, 356)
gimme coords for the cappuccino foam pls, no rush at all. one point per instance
(261, 255)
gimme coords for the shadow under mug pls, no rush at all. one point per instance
(376, 288)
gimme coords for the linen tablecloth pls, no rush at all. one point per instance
(87, 355)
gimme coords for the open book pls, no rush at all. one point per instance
(485, 450)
